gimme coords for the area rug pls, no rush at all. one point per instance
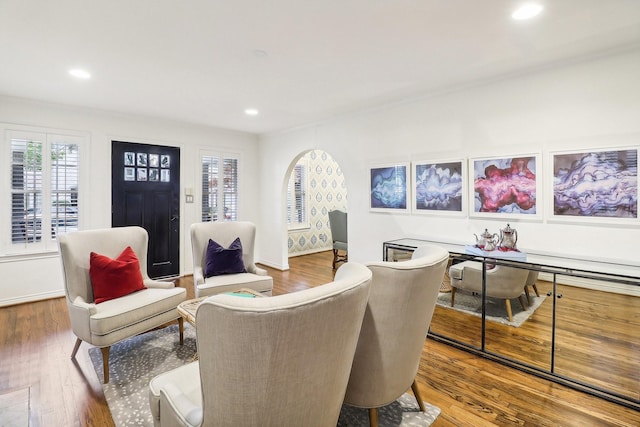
(496, 310)
(402, 412)
(134, 362)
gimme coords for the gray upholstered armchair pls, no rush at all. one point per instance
(279, 361)
(109, 322)
(502, 282)
(224, 233)
(401, 303)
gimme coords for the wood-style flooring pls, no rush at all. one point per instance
(36, 343)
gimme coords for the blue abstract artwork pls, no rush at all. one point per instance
(389, 187)
(439, 186)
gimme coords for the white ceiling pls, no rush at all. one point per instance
(297, 61)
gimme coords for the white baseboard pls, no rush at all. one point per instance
(308, 252)
(31, 298)
(273, 265)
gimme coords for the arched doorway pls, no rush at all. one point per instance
(316, 186)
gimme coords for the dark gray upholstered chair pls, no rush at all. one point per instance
(338, 225)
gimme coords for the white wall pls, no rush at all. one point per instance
(589, 104)
(34, 277)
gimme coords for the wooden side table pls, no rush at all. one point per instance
(188, 308)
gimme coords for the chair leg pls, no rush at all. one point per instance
(75, 348)
(416, 394)
(335, 258)
(373, 417)
(535, 288)
(509, 312)
(105, 363)
(453, 295)
(181, 327)
(522, 303)
(526, 292)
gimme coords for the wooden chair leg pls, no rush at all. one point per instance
(181, 327)
(535, 288)
(526, 292)
(416, 394)
(522, 303)
(335, 258)
(453, 295)
(105, 363)
(373, 417)
(75, 348)
(509, 312)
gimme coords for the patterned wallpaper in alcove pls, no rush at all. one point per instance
(327, 191)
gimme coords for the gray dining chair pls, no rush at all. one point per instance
(338, 225)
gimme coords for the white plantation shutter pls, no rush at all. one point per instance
(230, 191)
(64, 187)
(219, 178)
(209, 188)
(297, 216)
(26, 189)
(45, 179)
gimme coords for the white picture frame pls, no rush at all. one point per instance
(506, 187)
(439, 187)
(594, 186)
(389, 189)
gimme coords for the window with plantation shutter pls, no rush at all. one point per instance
(297, 191)
(44, 188)
(219, 187)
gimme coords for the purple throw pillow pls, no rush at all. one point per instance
(224, 261)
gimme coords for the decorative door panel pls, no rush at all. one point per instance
(145, 191)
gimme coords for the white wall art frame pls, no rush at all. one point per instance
(594, 186)
(439, 187)
(506, 186)
(389, 189)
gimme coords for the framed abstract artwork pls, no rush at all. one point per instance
(505, 186)
(439, 187)
(594, 185)
(389, 188)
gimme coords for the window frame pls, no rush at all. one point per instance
(305, 224)
(48, 136)
(221, 157)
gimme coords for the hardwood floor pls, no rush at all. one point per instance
(36, 342)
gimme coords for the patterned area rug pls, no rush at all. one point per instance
(402, 412)
(496, 310)
(134, 362)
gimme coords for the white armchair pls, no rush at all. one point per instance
(109, 322)
(224, 233)
(279, 361)
(399, 311)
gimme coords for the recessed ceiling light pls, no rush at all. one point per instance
(527, 11)
(80, 73)
(251, 112)
(260, 53)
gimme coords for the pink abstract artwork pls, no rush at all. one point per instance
(505, 185)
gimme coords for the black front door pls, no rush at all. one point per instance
(145, 191)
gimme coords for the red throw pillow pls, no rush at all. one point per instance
(114, 278)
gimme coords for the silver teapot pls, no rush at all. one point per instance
(487, 241)
(508, 238)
